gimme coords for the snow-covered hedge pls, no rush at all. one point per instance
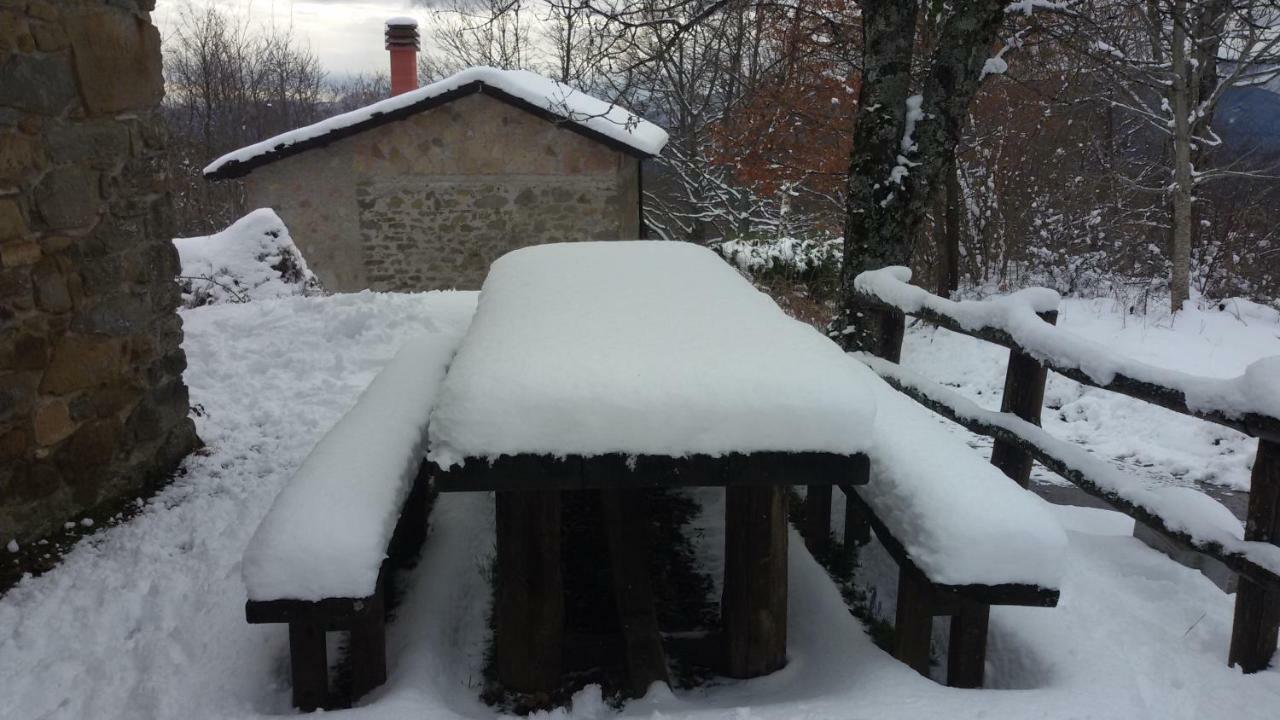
(792, 257)
(254, 259)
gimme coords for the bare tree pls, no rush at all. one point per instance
(228, 86)
(1170, 63)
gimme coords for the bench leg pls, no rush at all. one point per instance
(913, 622)
(967, 653)
(753, 609)
(530, 597)
(368, 648)
(308, 665)
(817, 518)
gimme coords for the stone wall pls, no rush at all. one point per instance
(92, 404)
(428, 202)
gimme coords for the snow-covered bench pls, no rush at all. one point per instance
(964, 537)
(320, 559)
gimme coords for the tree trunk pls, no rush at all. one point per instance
(1179, 91)
(875, 227)
(884, 204)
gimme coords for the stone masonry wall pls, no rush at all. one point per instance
(445, 232)
(92, 404)
(428, 202)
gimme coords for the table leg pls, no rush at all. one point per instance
(753, 609)
(530, 596)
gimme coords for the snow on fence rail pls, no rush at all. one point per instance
(1024, 322)
(1249, 403)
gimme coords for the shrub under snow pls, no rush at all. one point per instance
(253, 259)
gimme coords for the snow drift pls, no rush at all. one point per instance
(253, 259)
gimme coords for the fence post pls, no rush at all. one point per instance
(1023, 396)
(1257, 618)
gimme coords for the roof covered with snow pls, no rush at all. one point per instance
(602, 121)
(640, 348)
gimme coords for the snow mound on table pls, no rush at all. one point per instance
(253, 259)
(643, 348)
(327, 532)
(612, 121)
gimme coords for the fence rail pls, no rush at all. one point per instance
(1019, 439)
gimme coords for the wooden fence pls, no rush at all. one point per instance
(1018, 441)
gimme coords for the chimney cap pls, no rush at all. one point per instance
(402, 21)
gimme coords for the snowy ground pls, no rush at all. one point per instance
(145, 620)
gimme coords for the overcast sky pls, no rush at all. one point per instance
(345, 34)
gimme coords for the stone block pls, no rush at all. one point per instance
(42, 10)
(18, 253)
(80, 362)
(101, 144)
(52, 292)
(34, 481)
(52, 422)
(37, 83)
(12, 27)
(48, 37)
(17, 394)
(20, 157)
(14, 443)
(118, 314)
(29, 351)
(117, 58)
(68, 197)
(12, 225)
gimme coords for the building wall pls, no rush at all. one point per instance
(92, 404)
(428, 202)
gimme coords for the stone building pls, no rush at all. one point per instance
(423, 190)
(93, 409)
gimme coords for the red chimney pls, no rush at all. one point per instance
(402, 42)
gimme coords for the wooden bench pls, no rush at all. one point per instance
(356, 510)
(964, 538)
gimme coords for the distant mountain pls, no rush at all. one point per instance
(1248, 119)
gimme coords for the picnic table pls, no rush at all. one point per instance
(617, 366)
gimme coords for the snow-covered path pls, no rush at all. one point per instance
(145, 620)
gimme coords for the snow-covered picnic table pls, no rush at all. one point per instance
(620, 365)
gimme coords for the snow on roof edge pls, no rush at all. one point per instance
(609, 120)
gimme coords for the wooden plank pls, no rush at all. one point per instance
(626, 527)
(967, 650)
(308, 665)
(367, 648)
(1253, 424)
(753, 608)
(544, 472)
(817, 518)
(998, 594)
(1237, 562)
(411, 529)
(336, 612)
(1023, 396)
(857, 527)
(913, 620)
(529, 599)
(1257, 614)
